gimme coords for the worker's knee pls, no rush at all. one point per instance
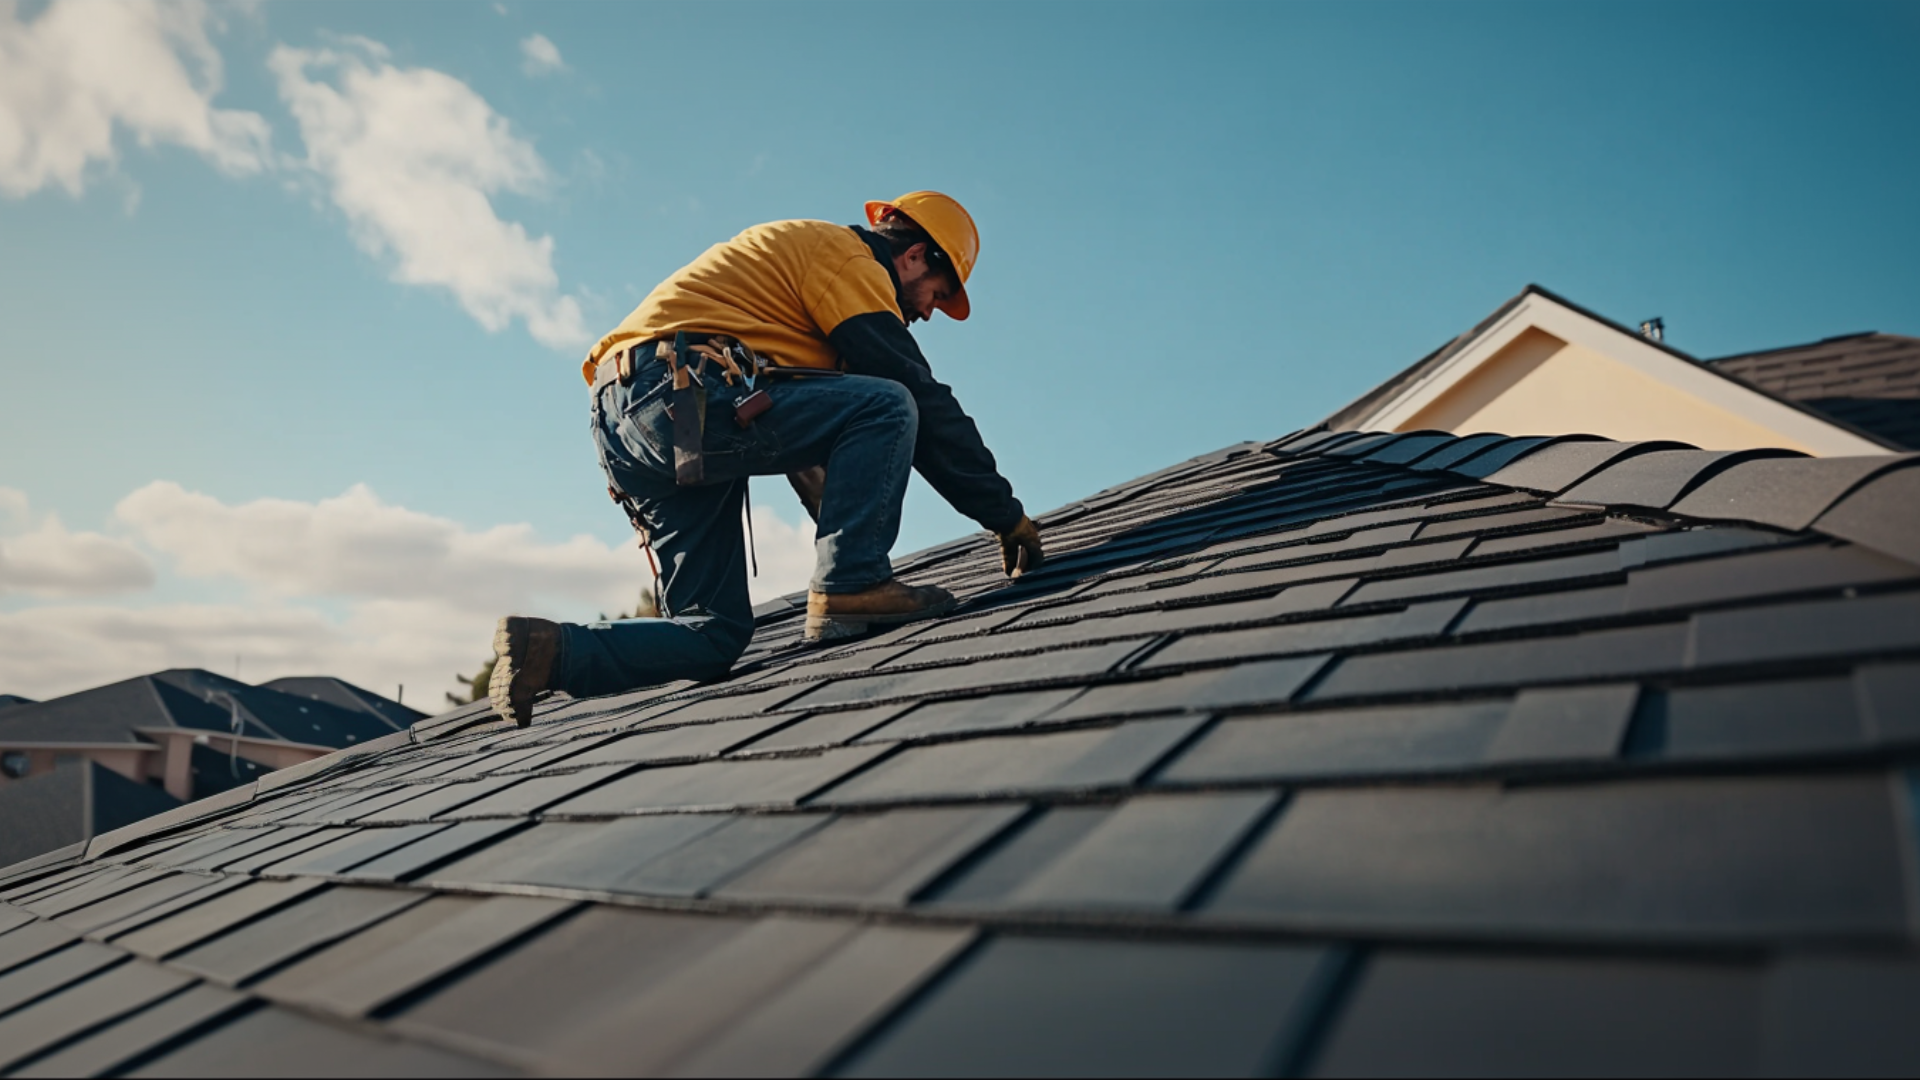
(895, 402)
(725, 643)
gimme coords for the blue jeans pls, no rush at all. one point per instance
(862, 429)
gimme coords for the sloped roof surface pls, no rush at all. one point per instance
(78, 799)
(7, 700)
(1350, 753)
(1870, 381)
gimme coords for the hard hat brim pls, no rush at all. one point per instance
(958, 307)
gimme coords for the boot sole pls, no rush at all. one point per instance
(510, 652)
(822, 628)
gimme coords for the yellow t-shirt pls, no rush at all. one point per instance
(780, 287)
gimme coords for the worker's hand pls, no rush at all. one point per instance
(1020, 548)
(811, 486)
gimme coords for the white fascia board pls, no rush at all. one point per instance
(1575, 328)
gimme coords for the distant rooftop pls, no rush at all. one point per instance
(183, 734)
(1869, 381)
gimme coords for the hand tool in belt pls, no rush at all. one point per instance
(688, 408)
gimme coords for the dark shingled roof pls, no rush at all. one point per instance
(345, 695)
(200, 700)
(1868, 381)
(8, 700)
(1349, 753)
(77, 800)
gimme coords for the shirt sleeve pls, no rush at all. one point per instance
(949, 453)
(859, 286)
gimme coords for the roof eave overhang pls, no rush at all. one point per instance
(1536, 308)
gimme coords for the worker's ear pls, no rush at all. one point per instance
(914, 257)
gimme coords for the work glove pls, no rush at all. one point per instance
(1020, 548)
(810, 485)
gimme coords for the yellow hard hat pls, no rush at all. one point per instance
(950, 226)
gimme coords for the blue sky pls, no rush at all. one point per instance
(1201, 223)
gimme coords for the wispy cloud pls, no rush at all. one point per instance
(86, 71)
(44, 558)
(413, 157)
(539, 56)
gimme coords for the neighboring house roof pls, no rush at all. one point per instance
(1349, 753)
(9, 700)
(1541, 363)
(1869, 381)
(75, 802)
(193, 699)
(347, 696)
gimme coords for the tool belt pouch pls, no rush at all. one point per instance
(689, 411)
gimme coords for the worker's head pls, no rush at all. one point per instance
(934, 246)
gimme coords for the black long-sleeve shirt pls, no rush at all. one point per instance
(949, 453)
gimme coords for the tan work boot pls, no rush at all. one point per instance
(833, 616)
(524, 650)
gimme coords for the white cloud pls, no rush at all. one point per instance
(540, 56)
(48, 560)
(349, 586)
(54, 650)
(412, 156)
(85, 68)
(355, 546)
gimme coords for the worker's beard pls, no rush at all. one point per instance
(908, 311)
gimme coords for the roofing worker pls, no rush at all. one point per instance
(679, 431)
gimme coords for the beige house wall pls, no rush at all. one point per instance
(1539, 384)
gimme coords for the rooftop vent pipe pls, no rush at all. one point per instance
(1654, 329)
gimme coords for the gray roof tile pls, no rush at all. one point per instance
(1883, 514)
(405, 952)
(307, 924)
(1786, 493)
(1148, 853)
(132, 902)
(826, 729)
(1026, 1006)
(881, 858)
(106, 1051)
(799, 1028)
(1418, 621)
(1319, 744)
(995, 712)
(1657, 479)
(349, 851)
(1258, 683)
(1553, 469)
(216, 915)
(1565, 723)
(1020, 853)
(1461, 1014)
(1461, 450)
(721, 784)
(276, 1041)
(981, 768)
(535, 1002)
(1594, 655)
(1091, 660)
(1817, 628)
(1812, 857)
(1747, 719)
(51, 1020)
(51, 972)
(1840, 1014)
(25, 944)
